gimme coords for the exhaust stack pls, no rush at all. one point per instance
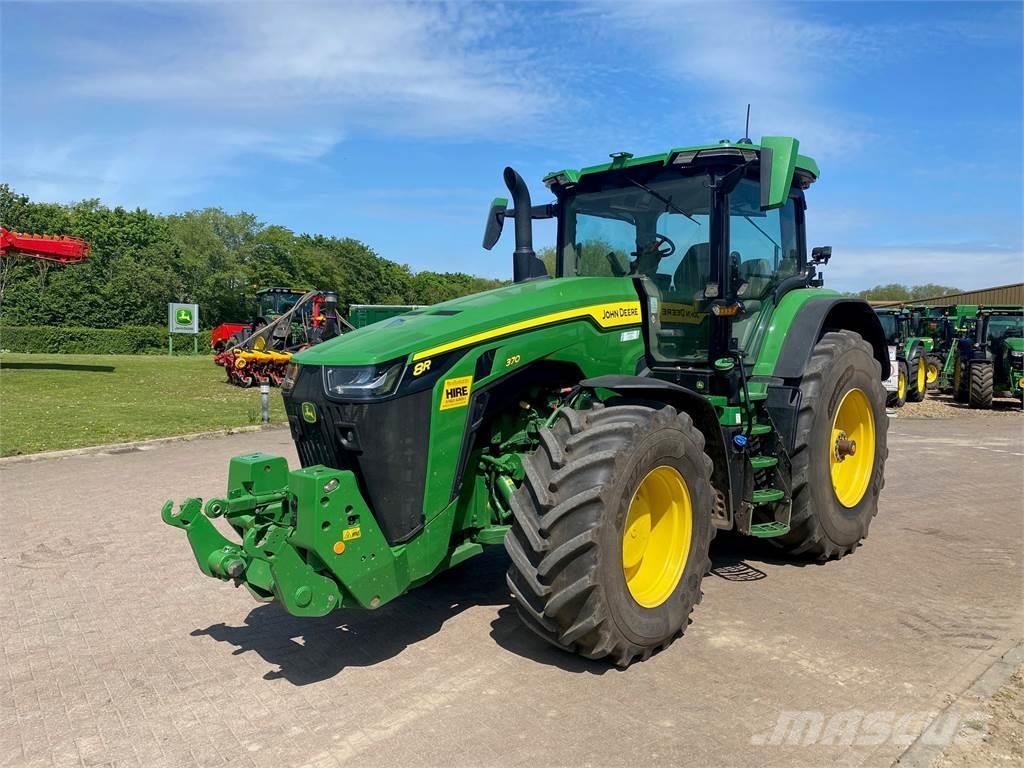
(525, 264)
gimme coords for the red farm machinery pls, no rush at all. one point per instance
(59, 249)
(286, 321)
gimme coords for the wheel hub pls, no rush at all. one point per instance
(853, 428)
(844, 446)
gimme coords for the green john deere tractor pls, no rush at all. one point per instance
(681, 372)
(933, 327)
(908, 379)
(992, 360)
(961, 320)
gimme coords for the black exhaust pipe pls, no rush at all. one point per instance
(525, 264)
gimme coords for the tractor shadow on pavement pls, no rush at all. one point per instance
(310, 650)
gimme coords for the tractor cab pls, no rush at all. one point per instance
(713, 237)
(274, 302)
(895, 325)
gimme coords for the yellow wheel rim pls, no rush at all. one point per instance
(852, 448)
(901, 387)
(656, 537)
(920, 376)
(932, 373)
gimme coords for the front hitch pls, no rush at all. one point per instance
(307, 537)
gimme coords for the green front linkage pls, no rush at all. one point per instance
(295, 527)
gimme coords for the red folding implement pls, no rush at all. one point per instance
(58, 248)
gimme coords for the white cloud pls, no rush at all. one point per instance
(399, 68)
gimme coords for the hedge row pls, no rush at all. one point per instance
(128, 340)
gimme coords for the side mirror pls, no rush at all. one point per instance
(821, 254)
(495, 221)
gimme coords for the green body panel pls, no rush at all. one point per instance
(465, 317)
(1014, 345)
(779, 324)
(784, 161)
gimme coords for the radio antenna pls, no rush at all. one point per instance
(746, 128)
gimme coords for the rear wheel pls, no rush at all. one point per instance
(611, 530)
(980, 384)
(917, 381)
(960, 381)
(840, 451)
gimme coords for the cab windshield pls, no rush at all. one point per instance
(660, 229)
(999, 327)
(888, 326)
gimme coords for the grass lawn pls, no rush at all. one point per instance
(52, 402)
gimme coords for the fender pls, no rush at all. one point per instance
(788, 346)
(911, 345)
(698, 407)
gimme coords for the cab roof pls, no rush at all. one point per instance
(788, 165)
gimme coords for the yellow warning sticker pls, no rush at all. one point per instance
(680, 313)
(351, 533)
(456, 392)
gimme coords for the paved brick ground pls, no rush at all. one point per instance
(117, 651)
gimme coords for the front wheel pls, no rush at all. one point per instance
(933, 369)
(898, 398)
(840, 450)
(980, 385)
(918, 379)
(611, 530)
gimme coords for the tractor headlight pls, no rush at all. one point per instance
(362, 382)
(1017, 357)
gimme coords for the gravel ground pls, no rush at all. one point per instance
(1003, 740)
(944, 407)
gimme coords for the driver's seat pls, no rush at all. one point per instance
(692, 273)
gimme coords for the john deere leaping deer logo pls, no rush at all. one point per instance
(183, 316)
(309, 413)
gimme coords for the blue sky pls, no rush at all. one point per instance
(391, 122)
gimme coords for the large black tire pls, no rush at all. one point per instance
(821, 527)
(980, 384)
(961, 382)
(566, 541)
(917, 381)
(895, 399)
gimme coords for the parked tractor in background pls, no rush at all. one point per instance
(961, 320)
(267, 304)
(681, 371)
(991, 362)
(287, 321)
(933, 327)
(908, 379)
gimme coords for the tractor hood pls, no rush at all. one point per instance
(1014, 344)
(473, 319)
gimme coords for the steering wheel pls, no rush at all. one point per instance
(662, 246)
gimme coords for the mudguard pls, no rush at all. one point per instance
(817, 316)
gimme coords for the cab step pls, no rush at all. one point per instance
(763, 462)
(768, 530)
(756, 396)
(760, 429)
(767, 495)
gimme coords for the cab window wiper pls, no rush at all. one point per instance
(661, 198)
